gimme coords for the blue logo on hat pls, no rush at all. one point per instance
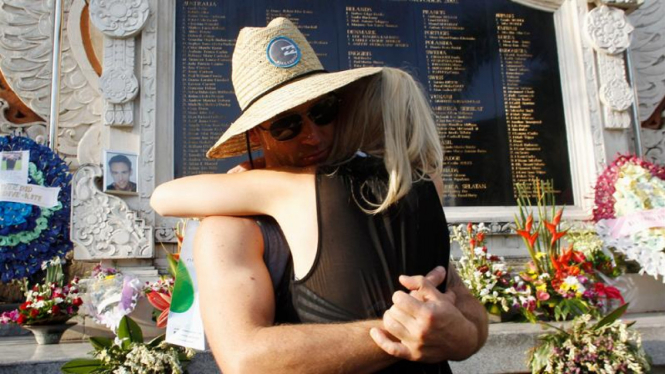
(283, 52)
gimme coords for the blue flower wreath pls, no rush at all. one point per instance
(30, 234)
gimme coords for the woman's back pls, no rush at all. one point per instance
(360, 256)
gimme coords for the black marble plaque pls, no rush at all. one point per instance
(490, 68)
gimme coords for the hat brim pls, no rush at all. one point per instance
(233, 143)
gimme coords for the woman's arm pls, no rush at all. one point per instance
(252, 192)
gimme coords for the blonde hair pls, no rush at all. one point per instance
(389, 116)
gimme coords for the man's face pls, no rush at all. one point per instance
(310, 147)
(120, 173)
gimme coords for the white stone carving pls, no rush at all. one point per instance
(148, 58)
(26, 28)
(119, 18)
(33, 130)
(647, 54)
(119, 85)
(103, 227)
(120, 21)
(625, 4)
(616, 94)
(608, 29)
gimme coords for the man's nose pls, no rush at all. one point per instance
(311, 133)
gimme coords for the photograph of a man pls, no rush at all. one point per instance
(120, 174)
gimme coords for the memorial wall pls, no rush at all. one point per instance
(490, 68)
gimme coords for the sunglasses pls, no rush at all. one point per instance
(322, 113)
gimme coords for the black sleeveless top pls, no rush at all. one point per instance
(360, 256)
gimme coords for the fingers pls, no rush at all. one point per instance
(424, 289)
(436, 276)
(390, 346)
(408, 304)
(398, 323)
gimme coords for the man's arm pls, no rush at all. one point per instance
(237, 306)
(431, 326)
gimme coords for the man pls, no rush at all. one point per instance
(238, 300)
(121, 170)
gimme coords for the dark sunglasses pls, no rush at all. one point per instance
(322, 113)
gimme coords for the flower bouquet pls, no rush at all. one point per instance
(128, 353)
(566, 281)
(49, 303)
(487, 276)
(608, 346)
(630, 212)
(109, 295)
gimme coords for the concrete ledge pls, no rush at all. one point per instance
(505, 351)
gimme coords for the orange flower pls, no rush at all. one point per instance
(161, 302)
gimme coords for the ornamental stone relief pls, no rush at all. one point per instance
(119, 18)
(616, 94)
(103, 227)
(26, 29)
(608, 29)
(33, 130)
(120, 21)
(118, 85)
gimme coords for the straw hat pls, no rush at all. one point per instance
(274, 69)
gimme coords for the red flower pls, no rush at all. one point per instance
(608, 292)
(55, 310)
(483, 268)
(557, 216)
(542, 295)
(480, 237)
(21, 319)
(469, 227)
(34, 313)
(161, 302)
(77, 301)
(25, 305)
(526, 233)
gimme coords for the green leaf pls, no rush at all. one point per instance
(100, 342)
(81, 366)
(611, 316)
(155, 342)
(130, 330)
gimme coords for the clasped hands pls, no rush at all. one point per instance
(425, 325)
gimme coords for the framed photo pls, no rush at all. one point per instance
(120, 172)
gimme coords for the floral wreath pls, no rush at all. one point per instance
(29, 234)
(631, 193)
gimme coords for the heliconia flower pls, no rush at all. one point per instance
(480, 237)
(469, 227)
(161, 302)
(556, 236)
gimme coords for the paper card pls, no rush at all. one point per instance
(14, 166)
(45, 197)
(185, 326)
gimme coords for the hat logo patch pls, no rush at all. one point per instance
(283, 52)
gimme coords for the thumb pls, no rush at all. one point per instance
(436, 276)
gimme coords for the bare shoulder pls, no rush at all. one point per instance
(224, 235)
